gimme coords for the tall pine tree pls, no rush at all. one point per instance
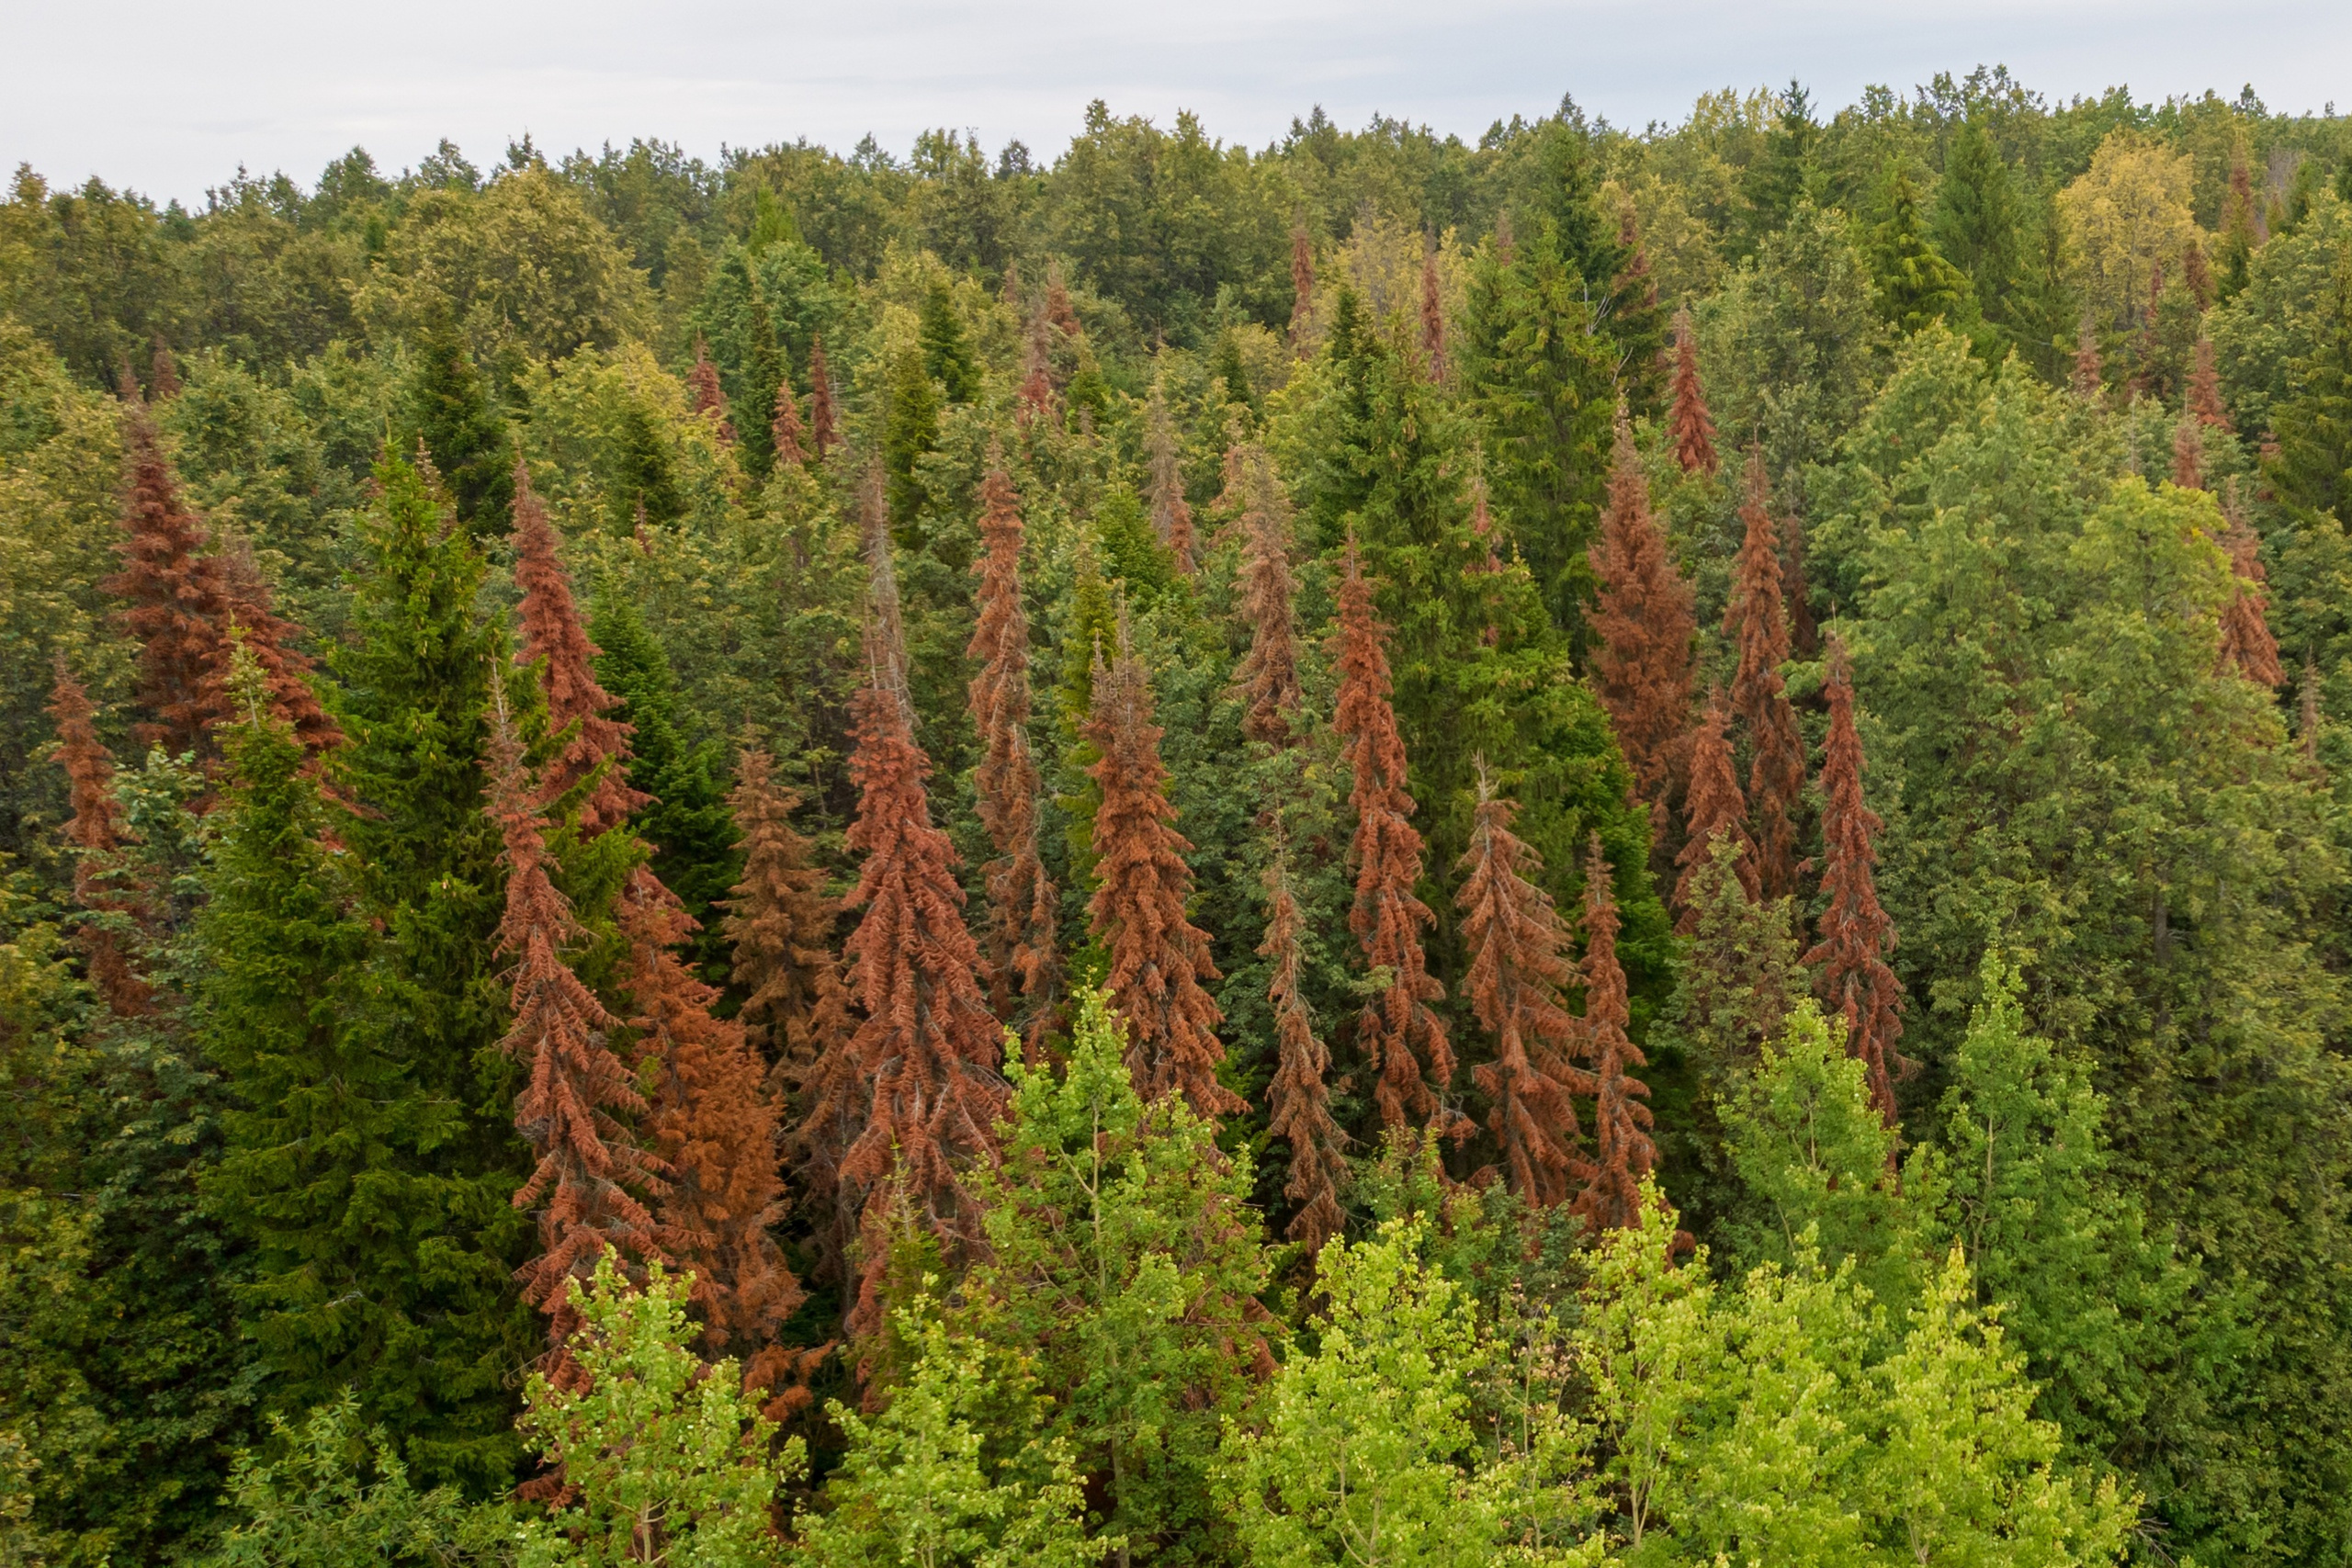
(1757, 615)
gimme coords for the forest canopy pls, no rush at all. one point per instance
(1581, 846)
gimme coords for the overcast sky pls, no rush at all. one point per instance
(170, 95)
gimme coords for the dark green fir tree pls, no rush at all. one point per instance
(946, 348)
(415, 687)
(447, 407)
(1915, 285)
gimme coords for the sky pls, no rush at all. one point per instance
(171, 96)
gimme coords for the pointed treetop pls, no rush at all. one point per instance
(1518, 967)
(1713, 808)
(824, 434)
(1398, 1032)
(2187, 452)
(1268, 676)
(1159, 961)
(710, 400)
(1302, 291)
(1299, 1100)
(96, 829)
(1688, 426)
(555, 639)
(2247, 645)
(1171, 515)
(1851, 975)
(1433, 313)
(1758, 612)
(2087, 384)
(1624, 1152)
(785, 429)
(1645, 619)
(2204, 400)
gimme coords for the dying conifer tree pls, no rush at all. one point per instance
(714, 1124)
(1645, 618)
(1518, 966)
(781, 925)
(1159, 959)
(1850, 974)
(1622, 1150)
(1433, 313)
(2187, 452)
(1757, 614)
(592, 1182)
(785, 429)
(824, 431)
(1059, 309)
(1688, 426)
(1299, 1103)
(1037, 396)
(1023, 949)
(268, 639)
(922, 1089)
(1398, 1032)
(2089, 375)
(96, 830)
(1171, 515)
(187, 616)
(1302, 292)
(1713, 809)
(1268, 676)
(596, 745)
(2205, 389)
(2197, 275)
(710, 399)
(162, 373)
(2247, 645)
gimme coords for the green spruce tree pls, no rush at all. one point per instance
(447, 407)
(415, 689)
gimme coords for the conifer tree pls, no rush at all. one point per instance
(1157, 958)
(909, 429)
(2241, 226)
(1850, 961)
(781, 925)
(2197, 275)
(162, 373)
(1742, 975)
(709, 398)
(590, 1182)
(1302, 292)
(1171, 515)
(1268, 676)
(2312, 470)
(283, 672)
(96, 830)
(2187, 452)
(946, 348)
(1023, 947)
(413, 696)
(595, 744)
(1688, 426)
(1714, 811)
(682, 812)
(1622, 1150)
(2205, 390)
(1539, 372)
(713, 1124)
(1059, 309)
(2087, 381)
(326, 1171)
(1915, 285)
(449, 410)
(918, 1085)
(1518, 966)
(2247, 645)
(1757, 614)
(1634, 319)
(824, 431)
(791, 443)
(1976, 224)
(1645, 624)
(1398, 1032)
(1298, 1101)
(1433, 314)
(171, 589)
(1037, 396)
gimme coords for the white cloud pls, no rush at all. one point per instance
(170, 97)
